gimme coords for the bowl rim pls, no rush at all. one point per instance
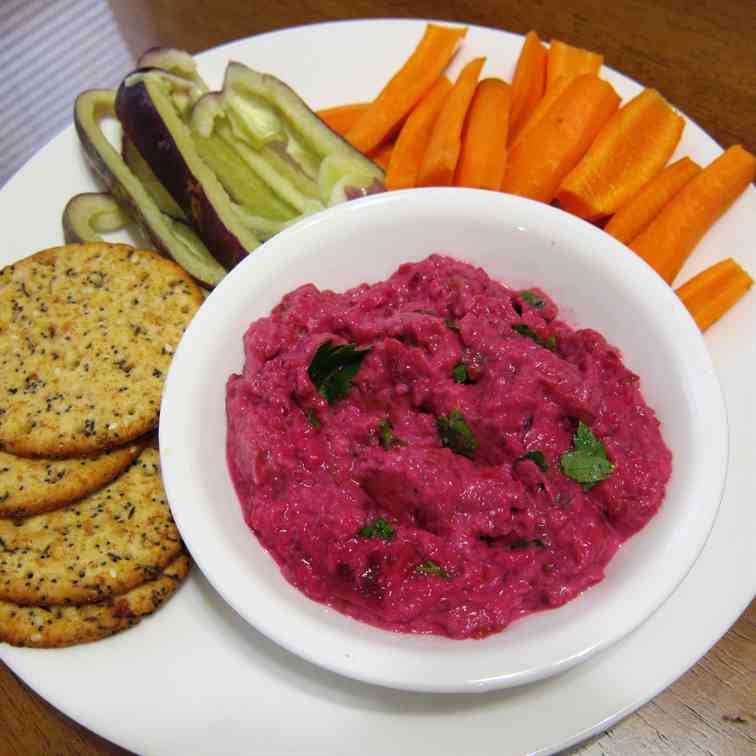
(287, 244)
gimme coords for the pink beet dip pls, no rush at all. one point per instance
(440, 490)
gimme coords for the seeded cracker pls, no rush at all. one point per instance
(102, 545)
(32, 486)
(56, 626)
(87, 332)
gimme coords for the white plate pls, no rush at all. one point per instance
(196, 679)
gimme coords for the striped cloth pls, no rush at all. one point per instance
(51, 50)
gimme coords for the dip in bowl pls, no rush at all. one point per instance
(597, 283)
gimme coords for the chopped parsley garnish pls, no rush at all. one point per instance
(587, 462)
(431, 568)
(532, 299)
(525, 330)
(377, 529)
(523, 543)
(312, 418)
(460, 375)
(451, 324)
(386, 436)
(537, 457)
(333, 367)
(455, 434)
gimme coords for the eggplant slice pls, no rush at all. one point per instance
(88, 215)
(152, 121)
(241, 163)
(170, 236)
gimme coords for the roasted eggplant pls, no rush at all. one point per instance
(209, 175)
(241, 163)
(278, 135)
(168, 235)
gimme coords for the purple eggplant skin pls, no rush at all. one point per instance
(144, 125)
(140, 168)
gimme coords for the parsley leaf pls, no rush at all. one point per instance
(431, 568)
(524, 330)
(459, 373)
(386, 436)
(455, 434)
(532, 299)
(451, 324)
(312, 418)
(587, 463)
(523, 543)
(537, 457)
(377, 529)
(333, 367)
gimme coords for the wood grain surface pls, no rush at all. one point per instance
(701, 54)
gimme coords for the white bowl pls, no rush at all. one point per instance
(596, 281)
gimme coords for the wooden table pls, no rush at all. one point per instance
(701, 56)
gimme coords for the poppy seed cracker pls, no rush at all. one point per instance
(87, 332)
(102, 545)
(32, 486)
(57, 626)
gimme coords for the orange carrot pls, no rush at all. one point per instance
(414, 137)
(341, 118)
(554, 93)
(537, 165)
(528, 83)
(635, 215)
(668, 240)
(441, 155)
(382, 155)
(483, 157)
(711, 293)
(629, 151)
(406, 87)
(566, 60)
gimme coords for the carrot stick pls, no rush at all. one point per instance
(551, 96)
(711, 293)
(529, 81)
(569, 61)
(341, 118)
(635, 215)
(441, 155)
(483, 157)
(540, 161)
(668, 240)
(406, 87)
(414, 137)
(629, 151)
(382, 155)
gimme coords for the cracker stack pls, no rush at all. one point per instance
(87, 542)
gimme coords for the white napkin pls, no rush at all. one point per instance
(51, 50)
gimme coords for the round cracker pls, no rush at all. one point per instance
(102, 545)
(57, 626)
(32, 486)
(86, 337)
